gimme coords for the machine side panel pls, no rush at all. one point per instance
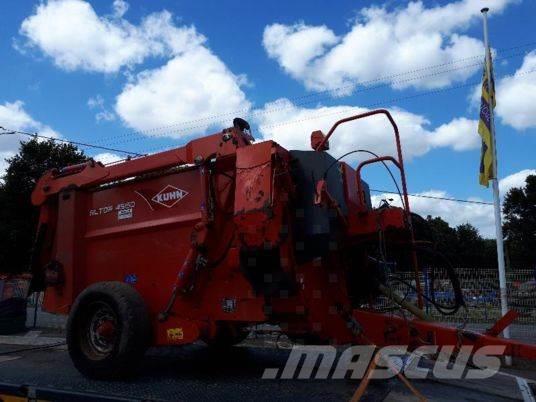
(136, 232)
(68, 251)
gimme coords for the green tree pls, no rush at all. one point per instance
(472, 250)
(519, 227)
(463, 245)
(18, 217)
(441, 234)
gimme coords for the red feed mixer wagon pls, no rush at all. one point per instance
(203, 241)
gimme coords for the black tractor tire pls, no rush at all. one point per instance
(108, 331)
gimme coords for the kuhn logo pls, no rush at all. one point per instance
(169, 196)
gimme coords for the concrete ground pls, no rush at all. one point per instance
(44, 320)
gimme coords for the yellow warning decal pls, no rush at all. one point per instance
(175, 334)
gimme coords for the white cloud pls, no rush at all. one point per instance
(291, 126)
(189, 87)
(382, 43)
(514, 180)
(455, 213)
(516, 96)
(120, 7)
(103, 114)
(296, 45)
(474, 97)
(107, 157)
(95, 102)
(193, 82)
(460, 134)
(3, 164)
(13, 116)
(75, 37)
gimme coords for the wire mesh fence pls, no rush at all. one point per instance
(480, 290)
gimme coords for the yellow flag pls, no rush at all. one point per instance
(487, 101)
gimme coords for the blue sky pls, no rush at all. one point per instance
(112, 72)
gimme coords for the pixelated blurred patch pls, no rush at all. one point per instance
(131, 279)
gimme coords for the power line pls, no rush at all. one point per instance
(334, 90)
(366, 83)
(382, 103)
(142, 136)
(11, 132)
(433, 197)
(370, 105)
(328, 93)
(190, 125)
(81, 144)
(276, 109)
(352, 108)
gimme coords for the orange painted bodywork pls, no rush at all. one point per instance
(213, 224)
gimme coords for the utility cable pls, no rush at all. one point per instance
(193, 124)
(381, 103)
(433, 197)
(81, 144)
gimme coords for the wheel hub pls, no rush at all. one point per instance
(106, 329)
(102, 330)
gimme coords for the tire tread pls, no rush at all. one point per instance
(135, 331)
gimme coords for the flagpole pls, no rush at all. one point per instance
(495, 183)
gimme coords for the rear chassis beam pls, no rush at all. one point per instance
(384, 330)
